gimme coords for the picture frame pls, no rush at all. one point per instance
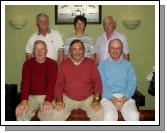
(65, 14)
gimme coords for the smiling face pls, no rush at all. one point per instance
(42, 23)
(77, 51)
(40, 51)
(109, 25)
(115, 49)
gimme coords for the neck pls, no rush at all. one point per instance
(43, 32)
(40, 61)
(108, 35)
(79, 34)
(77, 62)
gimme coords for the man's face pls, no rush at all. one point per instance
(43, 23)
(40, 51)
(115, 49)
(80, 26)
(77, 51)
(108, 25)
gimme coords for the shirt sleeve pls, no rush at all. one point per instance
(92, 47)
(51, 80)
(26, 80)
(29, 46)
(131, 83)
(60, 40)
(125, 44)
(95, 75)
(59, 86)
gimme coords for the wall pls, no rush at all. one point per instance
(141, 40)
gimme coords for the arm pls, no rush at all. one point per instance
(61, 55)
(47, 107)
(97, 88)
(126, 57)
(131, 83)
(51, 80)
(26, 80)
(25, 84)
(58, 90)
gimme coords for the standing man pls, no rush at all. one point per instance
(38, 79)
(79, 26)
(109, 26)
(78, 85)
(119, 84)
(52, 38)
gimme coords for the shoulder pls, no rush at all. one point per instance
(71, 37)
(127, 63)
(51, 61)
(119, 34)
(103, 62)
(87, 37)
(29, 63)
(53, 31)
(65, 63)
(34, 35)
(100, 37)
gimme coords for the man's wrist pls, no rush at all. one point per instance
(59, 99)
(97, 98)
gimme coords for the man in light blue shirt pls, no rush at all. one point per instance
(119, 84)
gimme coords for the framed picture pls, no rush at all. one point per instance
(65, 14)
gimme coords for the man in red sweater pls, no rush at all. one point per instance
(78, 85)
(37, 87)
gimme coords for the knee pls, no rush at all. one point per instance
(110, 116)
(132, 116)
(58, 115)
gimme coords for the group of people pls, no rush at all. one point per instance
(58, 78)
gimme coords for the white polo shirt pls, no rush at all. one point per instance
(102, 44)
(52, 39)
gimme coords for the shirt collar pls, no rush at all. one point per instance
(77, 63)
(49, 31)
(104, 34)
(120, 59)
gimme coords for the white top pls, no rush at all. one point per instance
(52, 39)
(102, 44)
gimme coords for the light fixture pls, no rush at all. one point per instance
(131, 24)
(17, 21)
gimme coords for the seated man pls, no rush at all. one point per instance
(38, 79)
(119, 83)
(78, 85)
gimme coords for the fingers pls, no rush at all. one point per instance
(21, 109)
(59, 106)
(96, 106)
(46, 109)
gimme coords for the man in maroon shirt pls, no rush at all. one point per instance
(37, 87)
(78, 85)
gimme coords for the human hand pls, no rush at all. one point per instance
(22, 108)
(118, 102)
(96, 106)
(59, 105)
(46, 108)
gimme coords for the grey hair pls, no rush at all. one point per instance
(42, 14)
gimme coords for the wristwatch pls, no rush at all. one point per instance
(97, 98)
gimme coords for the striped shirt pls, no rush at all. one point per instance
(88, 44)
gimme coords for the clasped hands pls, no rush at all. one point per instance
(118, 102)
